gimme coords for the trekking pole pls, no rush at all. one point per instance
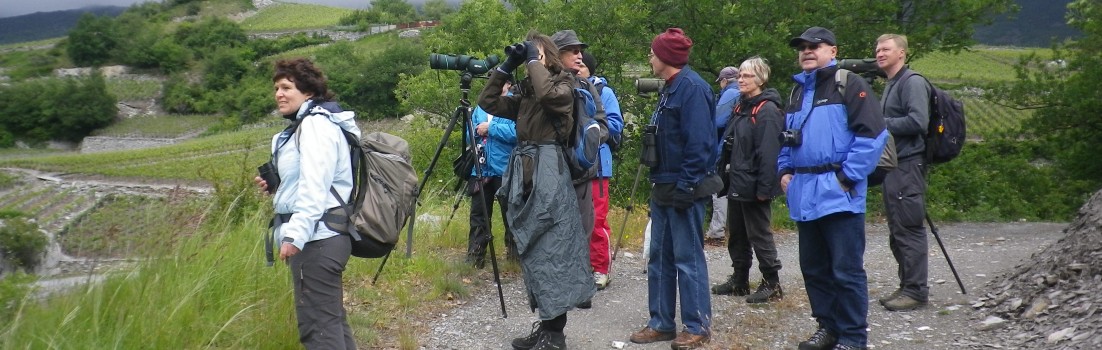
(455, 207)
(631, 205)
(945, 253)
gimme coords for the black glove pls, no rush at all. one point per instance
(514, 56)
(533, 51)
(680, 199)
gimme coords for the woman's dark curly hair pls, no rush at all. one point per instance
(307, 77)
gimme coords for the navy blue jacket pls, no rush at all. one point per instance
(685, 117)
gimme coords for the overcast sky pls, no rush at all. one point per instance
(22, 7)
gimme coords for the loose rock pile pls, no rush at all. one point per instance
(1052, 301)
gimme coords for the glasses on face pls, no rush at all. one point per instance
(573, 50)
(807, 46)
(747, 76)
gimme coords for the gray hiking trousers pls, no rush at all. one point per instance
(316, 273)
(905, 206)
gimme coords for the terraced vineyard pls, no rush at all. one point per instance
(215, 157)
(51, 203)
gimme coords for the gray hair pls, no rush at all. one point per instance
(757, 65)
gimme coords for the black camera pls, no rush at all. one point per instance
(791, 138)
(650, 146)
(648, 85)
(270, 174)
(463, 63)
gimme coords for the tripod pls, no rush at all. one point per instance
(462, 112)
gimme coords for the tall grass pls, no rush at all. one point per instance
(209, 291)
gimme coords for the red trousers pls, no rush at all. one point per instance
(599, 248)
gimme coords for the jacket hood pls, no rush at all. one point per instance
(345, 119)
(769, 94)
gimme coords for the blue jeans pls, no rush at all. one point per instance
(676, 263)
(832, 258)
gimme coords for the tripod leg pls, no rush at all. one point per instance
(937, 236)
(497, 278)
(631, 205)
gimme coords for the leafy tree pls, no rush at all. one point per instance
(205, 36)
(225, 67)
(368, 84)
(1067, 95)
(436, 9)
(91, 40)
(395, 11)
(56, 108)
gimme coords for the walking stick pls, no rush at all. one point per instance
(631, 205)
(945, 253)
(455, 207)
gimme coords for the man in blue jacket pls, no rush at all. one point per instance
(685, 143)
(831, 145)
(599, 242)
(728, 96)
(496, 137)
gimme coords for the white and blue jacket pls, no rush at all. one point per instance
(497, 145)
(313, 158)
(615, 122)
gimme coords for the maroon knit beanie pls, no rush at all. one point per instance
(672, 47)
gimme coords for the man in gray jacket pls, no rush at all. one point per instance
(906, 103)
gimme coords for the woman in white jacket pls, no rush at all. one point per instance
(311, 156)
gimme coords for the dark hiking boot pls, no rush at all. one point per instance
(821, 340)
(550, 340)
(889, 297)
(847, 347)
(529, 341)
(648, 335)
(903, 303)
(585, 305)
(767, 291)
(736, 284)
(478, 262)
(686, 341)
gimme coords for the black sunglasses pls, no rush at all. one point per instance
(807, 46)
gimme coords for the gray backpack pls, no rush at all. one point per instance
(383, 194)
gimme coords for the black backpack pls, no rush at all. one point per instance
(947, 130)
(614, 141)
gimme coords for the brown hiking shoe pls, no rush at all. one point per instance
(889, 297)
(648, 335)
(686, 340)
(904, 303)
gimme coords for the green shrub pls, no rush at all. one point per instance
(7, 181)
(14, 289)
(22, 243)
(1003, 179)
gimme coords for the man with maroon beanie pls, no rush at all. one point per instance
(684, 180)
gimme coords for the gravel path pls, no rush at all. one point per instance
(980, 251)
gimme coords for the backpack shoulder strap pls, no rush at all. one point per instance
(841, 78)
